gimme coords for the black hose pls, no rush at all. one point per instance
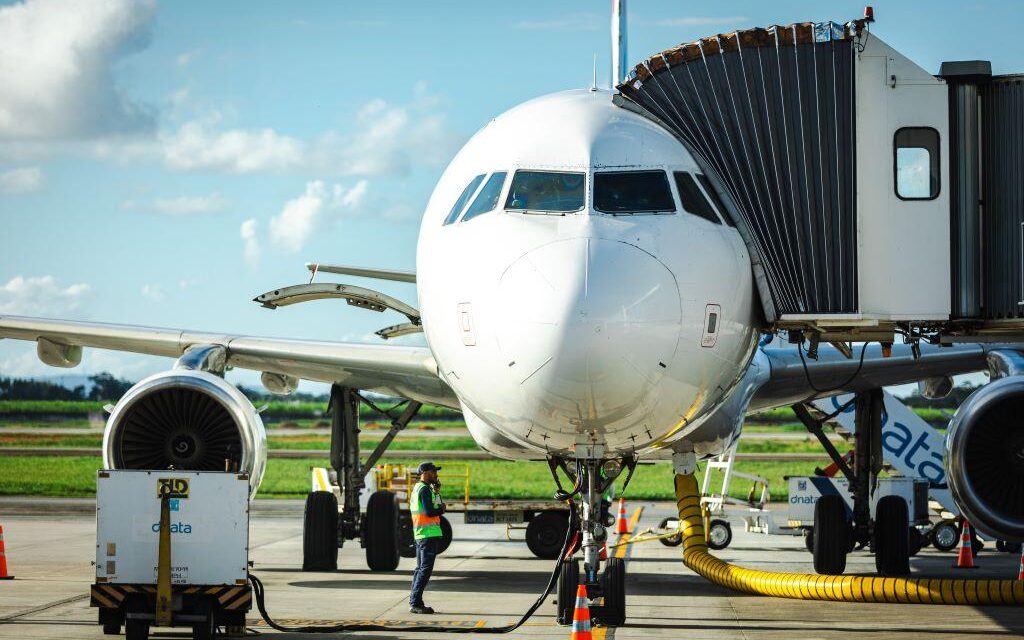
(259, 596)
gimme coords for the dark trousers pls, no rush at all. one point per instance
(426, 552)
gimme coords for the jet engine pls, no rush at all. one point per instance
(985, 458)
(186, 419)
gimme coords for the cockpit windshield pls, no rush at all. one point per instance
(553, 191)
(632, 192)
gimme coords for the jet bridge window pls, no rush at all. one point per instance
(916, 163)
(546, 191)
(487, 199)
(693, 198)
(467, 193)
(620, 192)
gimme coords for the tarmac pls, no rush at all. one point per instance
(484, 578)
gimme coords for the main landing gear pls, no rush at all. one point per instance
(591, 479)
(839, 529)
(326, 527)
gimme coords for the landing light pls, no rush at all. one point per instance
(611, 468)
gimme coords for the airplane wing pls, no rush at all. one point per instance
(792, 379)
(407, 372)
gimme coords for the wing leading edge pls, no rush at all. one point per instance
(408, 372)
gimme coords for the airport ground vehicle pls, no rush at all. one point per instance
(171, 551)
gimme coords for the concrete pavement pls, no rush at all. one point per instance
(485, 577)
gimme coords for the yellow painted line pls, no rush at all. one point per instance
(620, 549)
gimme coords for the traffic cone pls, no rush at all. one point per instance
(3, 558)
(1020, 572)
(603, 555)
(621, 526)
(581, 616)
(965, 557)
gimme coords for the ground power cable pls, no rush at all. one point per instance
(259, 595)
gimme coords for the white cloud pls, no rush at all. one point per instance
(195, 146)
(191, 205)
(292, 227)
(41, 295)
(186, 58)
(153, 292)
(572, 22)
(386, 139)
(56, 59)
(314, 209)
(701, 21)
(21, 180)
(252, 244)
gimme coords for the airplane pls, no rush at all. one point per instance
(584, 300)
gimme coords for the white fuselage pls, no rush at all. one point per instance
(560, 329)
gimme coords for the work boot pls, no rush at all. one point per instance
(421, 608)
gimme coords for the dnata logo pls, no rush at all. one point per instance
(176, 527)
(802, 499)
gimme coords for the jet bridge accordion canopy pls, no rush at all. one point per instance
(771, 114)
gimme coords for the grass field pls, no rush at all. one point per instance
(76, 477)
(404, 442)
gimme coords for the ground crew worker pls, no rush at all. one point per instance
(426, 507)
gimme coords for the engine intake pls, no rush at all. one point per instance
(985, 458)
(186, 419)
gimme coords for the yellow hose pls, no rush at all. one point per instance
(803, 586)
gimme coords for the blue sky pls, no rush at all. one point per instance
(163, 163)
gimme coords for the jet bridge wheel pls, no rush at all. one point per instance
(892, 537)
(380, 532)
(568, 581)
(831, 535)
(320, 532)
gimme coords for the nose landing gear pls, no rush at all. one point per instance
(606, 589)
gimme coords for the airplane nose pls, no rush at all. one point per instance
(588, 327)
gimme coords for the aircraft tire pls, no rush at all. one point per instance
(565, 602)
(320, 532)
(831, 535)
(380, 532)
(892, 537)
(613, 612)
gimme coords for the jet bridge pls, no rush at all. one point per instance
(874, 197)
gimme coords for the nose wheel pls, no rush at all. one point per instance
(604, 578)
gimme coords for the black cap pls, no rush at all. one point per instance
(428, 466)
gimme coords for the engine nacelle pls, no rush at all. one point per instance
(985, 458)
(187, 419)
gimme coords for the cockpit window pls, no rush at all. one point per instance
(554, 191)
(467, 193)
(693, 199)
(633, 192)
(487, 199)
(710, 190)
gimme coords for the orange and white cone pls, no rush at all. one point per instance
(965, 556)
(621, 525)
(1020, 572)
(3, 558)
(581, 616)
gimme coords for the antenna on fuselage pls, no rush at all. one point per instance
(618, 41)
(593, 85)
